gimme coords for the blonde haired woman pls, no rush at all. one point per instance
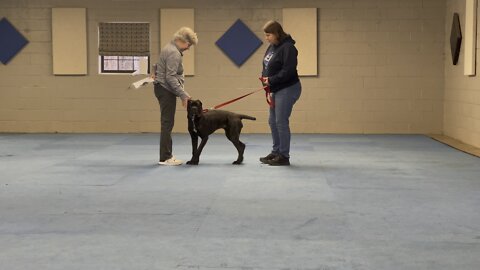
(168, 85)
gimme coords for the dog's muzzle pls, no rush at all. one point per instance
(195, 110)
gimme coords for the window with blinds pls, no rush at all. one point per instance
(122, 46)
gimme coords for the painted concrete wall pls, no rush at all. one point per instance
(462, 93)
(381, 68)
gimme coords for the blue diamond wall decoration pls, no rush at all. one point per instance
(239, 42)
(11, 41)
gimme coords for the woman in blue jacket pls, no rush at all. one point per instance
(280, 74)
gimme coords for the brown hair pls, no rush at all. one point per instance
(274, 27)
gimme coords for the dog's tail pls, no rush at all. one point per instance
(243, 116)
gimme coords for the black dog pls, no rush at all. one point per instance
(202, 124)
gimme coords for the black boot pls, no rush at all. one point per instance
(279, 161)
(267, 158)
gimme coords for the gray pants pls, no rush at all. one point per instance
(168, 104)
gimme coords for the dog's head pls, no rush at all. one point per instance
(194, 108)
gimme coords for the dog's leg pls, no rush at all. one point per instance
(241, 149)
(194, 137)
(193, 133)
(233, 135)
(196, 156)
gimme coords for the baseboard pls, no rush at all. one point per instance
(469, 149)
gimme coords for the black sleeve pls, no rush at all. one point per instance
(289, 66)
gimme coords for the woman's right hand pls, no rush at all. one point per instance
(265, 81)
(185, 101)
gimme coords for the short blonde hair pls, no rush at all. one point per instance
(187, 35)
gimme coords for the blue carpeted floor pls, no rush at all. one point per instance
(99, 201)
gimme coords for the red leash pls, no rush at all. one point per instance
(270, 102)
(267, 95)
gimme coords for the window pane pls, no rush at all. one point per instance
(110, 64)
(125, 64)
(136, 63)
(110, 57)
(125, 58)
(137, 60)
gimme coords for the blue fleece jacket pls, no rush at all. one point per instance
(280, 64)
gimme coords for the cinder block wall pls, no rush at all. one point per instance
(462, 93)
(381, 68)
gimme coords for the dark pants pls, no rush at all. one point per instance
(279, 118)
(168, 104)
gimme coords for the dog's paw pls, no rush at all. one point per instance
(238, 161)
(192, 162)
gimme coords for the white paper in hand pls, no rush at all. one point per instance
(142, 82)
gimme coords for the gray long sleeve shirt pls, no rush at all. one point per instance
(169, 73)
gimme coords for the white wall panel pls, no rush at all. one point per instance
(170, 21)
(470, 37)
(69, 41)
(301, 23)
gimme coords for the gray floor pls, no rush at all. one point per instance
(348, 202)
